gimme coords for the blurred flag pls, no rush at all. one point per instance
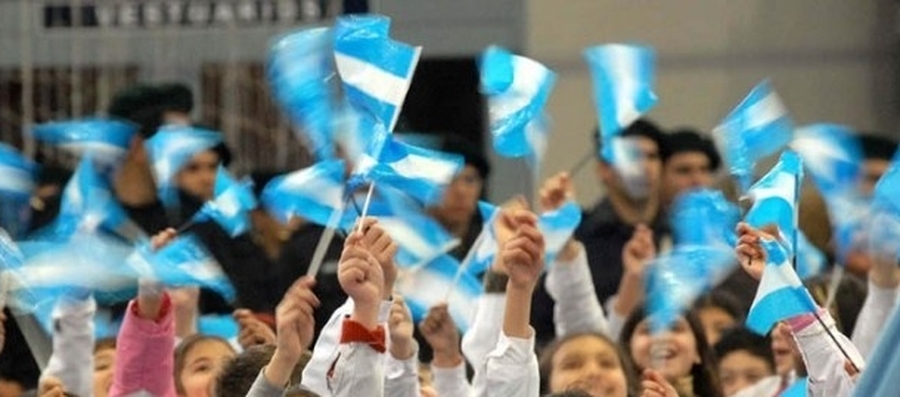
(758, 127)
(182, 263)
(810, 260)
(232, 205)
(419, 237)
(557, 226)
(623, 78)
(221, 325)
(376, 71)
(481, 255)
(103, 323)
(627, 159)
(171, 148)
(775, 198)
(781, 294)
(426, 286)
(796, 389)
(313, 193)
(704, 218)
(106, 140)
(883, 367)
(88, 205)
(420, 173)
(884, 221)
(833, 156)
(299, 70)
(517, 89)
(16, 186)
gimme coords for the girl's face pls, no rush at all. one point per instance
(202, 364)
(715, 322)
(591, 364)
(104, 362)
(673, 352)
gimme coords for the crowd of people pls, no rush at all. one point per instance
(579, 329)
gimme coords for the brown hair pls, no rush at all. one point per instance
(184, 348)
(546, 359)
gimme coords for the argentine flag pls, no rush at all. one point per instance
(16, 185)
(419, 237)
(482, 253)
(106, 140)
(299, 70)
(376, 71)
(171, 148)
(775, 197)
(884, 227)
(833, 156)
(781, 294)
(759, 126)
(182, 263)
(440, 281)
(623, 78)
(704, 217)
(557, 226)
(232, 205)
(422, 174)
(313, 193)
(517, 89)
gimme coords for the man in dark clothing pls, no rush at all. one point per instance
(606, 227)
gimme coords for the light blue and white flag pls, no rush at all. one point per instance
(557, 227)
(797, 389)
(759, 126)
(300, 69)
(833, 156)
(775, 198)
(517, 89)
(88, 205)
(313, 193)
(419, 237)
(16, 186)
(883, 367)
(376, 71)
(781, 294)
(627, 159)
(106, 140)
(182, 263)
(811, 261)
(426, 286)
(884, 221)
(623, 78)
(221, 325)
(171, 148)
(103, 324)
(422, 174)
(704, 218)
(232, 205)
(482, 253)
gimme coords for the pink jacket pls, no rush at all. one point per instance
(144, 354)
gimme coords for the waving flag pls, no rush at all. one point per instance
(781, 294)
(88, 205)
(420, 173)
(628, 161)
(833, 156)
(232, 205)
(182, 263)
(171, 148)
(87, 261)
(759, 126)
(313, 193)
(798, 389)
(106, 140)
(880, 375)
(810, 260)
(557, 226)
(884, 227)
(103, 323)
(376, 71)
(623, 87)
(704, 218)
(16, 186)
(426, 286)
(221, 325)
(482, 253)
(299, 69)
(517, 89)
(775, 197)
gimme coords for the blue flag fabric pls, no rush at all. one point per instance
(704, 217)
(440, 281)
(880, 375)
(759, 126)
(884, 227)
(106, 140)
(221, 325)
(182, 263)
(517, 89)
(557, 226)
(833, 156)
(797, 389)
(419, 237)
(811, 261)
(482, 253)
(16, 186)
(623, 78)
(171, 148)
(376, 71)
(775, 197)
(313, 193)
(420, 173)
(781, 294)
(299, 70)
(232, 205)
